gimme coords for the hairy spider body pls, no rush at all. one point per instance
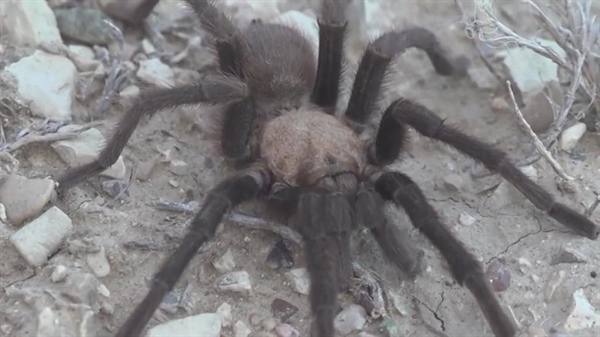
(280, 128)
(303, 146)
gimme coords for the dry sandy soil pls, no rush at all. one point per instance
(506, 227)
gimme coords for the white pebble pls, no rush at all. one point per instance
(466, 219)
(43, 236)
(300, 280)
(98, 263)
(236, 281)
(352, 318)
(59, 273)
(572, 135)
(46, 82)
(205, 325)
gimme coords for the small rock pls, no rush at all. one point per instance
(241, 330)
(286, 330)
(499, 104)
(98, 263)
(145, 168)
(568, 255)
(466, 219)
(389, 328)
(454, 182)
(224, 311)
(155, 72)
(24, 198)
(583, 315)
(114, 187)
(538, 111)
(43, 236)
(236, 281)
(29, 22)
(533, 331)
(173, 183)
(280, 256)
(268, 324)
(59, 273)
(3, 217)
(282, 309)
(205, 325)
(570, 136)
(498, 275)
(84, 149)
(225, 263)
(300, 280)
(352, 318)
(131, 11)
(178, 167)
(46, 82)
(131, 92)
(524, 264)
(148, 47)
(85, 25)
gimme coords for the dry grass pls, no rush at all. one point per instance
(574, 27)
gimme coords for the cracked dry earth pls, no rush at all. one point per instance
(492, 218)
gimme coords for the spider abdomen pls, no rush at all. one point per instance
(302, 146)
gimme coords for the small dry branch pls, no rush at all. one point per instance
(536, 141)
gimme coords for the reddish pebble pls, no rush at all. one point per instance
(498, 275)
(286, 330)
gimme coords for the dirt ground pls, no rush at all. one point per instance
(506, 225)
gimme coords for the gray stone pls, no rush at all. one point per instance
(46, 82)
(224, 263)
(24, 198)
(241, 330)
(155, 72)
(205, 325)
(85, 25)
(299, 279)
(235, 281)
(43, 236)
(529, 70)
(224, 311)
(84, 149)
(28, 22)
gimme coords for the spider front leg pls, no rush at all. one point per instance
(324, 219)
(211, 89)
(243, 187)
(227, 36)
(395, 246)
(376, 59)
(332, 31)
(402, 191)
(432, 126)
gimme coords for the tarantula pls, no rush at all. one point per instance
(279, 128)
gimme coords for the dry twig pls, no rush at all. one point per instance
(536, 141)
(30, 138)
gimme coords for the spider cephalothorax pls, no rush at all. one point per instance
(279, 125)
